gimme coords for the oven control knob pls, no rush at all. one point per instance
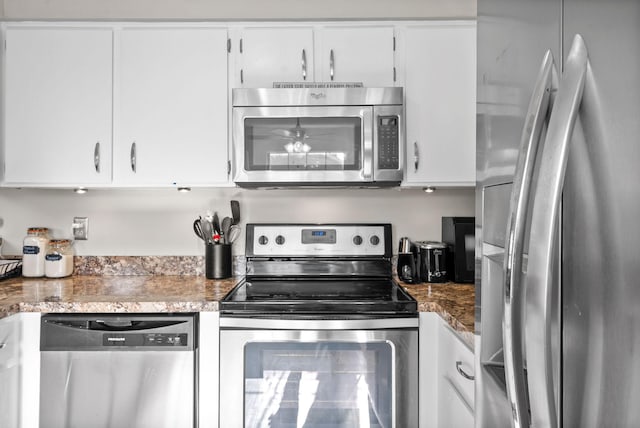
(375, 240)
(263, 240)
(357, 240)
(279, 239)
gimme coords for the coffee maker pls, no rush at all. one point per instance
(408, 267)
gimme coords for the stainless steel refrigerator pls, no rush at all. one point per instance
(558, 214)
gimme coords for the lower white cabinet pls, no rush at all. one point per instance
(446, 395)
(455, 380)
(19, 370)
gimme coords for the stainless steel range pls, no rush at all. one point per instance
(318, 334)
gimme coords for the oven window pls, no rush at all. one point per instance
(320, 384)
(303, 143)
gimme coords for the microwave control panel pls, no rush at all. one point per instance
(388, 142)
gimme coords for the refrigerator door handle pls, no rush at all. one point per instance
(544, 237)
(512, 322)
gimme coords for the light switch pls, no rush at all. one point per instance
(80, 228)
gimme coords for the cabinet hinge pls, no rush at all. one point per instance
(228, 45)
(240, 45)
(394, 74)
(394, 43)
(228, 168)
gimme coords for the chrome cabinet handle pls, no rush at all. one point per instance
(96, 157)
(132, 155)
(304, 65)
(331, 64)
(462, 372)
(512, 329)
(416, 156)
(544, 236)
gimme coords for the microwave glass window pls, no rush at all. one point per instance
(303, 143)
(321, 384)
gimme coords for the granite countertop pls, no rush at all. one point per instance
(174, 293)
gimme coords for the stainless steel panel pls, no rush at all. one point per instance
(289, 97)
(117, 389)
(601, 238)
(513, 36)
(404, 343)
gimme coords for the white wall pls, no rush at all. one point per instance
(236, 9)
(159, 221)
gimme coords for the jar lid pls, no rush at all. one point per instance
(60, 242)
(38, 230)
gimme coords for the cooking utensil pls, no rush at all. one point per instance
(207, 231)
(197, 228)
(235, 212)
(216, 223)
(234, 232)
(227, 222)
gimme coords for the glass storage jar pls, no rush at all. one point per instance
(59, 258)
(34, 247)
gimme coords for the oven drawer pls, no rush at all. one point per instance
(314, 377)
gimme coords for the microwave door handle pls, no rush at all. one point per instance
(304, 64)
(331, 64)
(537, 114)
(544, 236)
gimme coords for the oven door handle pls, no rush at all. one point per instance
(316, 324)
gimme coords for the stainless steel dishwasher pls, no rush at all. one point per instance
(114, 371)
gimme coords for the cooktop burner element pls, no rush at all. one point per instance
(317, 270)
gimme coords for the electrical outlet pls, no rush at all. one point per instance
(80, 228)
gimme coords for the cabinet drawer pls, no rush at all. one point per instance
(456, 361)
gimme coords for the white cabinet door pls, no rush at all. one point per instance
(19, 370)
(170, 106)
(453, 412)
(9, 371)
(440, 94)
(356, 54)
(57, 118)
(275, 54)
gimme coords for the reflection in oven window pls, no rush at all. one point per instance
(303, 143)
(320, 384)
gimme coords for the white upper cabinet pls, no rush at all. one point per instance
(170, 107)
(440, 94)
(356, 54)
(314, 54)
(268, 55)
(57, 113)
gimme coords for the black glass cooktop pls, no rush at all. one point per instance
(360, 296)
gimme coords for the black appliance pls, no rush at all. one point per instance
(408, 265)
(433, 260)
(459, 235)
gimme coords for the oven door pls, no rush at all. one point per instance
(337, 373)
(298, 145)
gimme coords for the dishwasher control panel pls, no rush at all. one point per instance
(144, 339)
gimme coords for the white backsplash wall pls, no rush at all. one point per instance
(159, 221)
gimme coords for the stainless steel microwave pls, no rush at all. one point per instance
(318, 136)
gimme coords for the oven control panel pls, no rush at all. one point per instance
(318, 240)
